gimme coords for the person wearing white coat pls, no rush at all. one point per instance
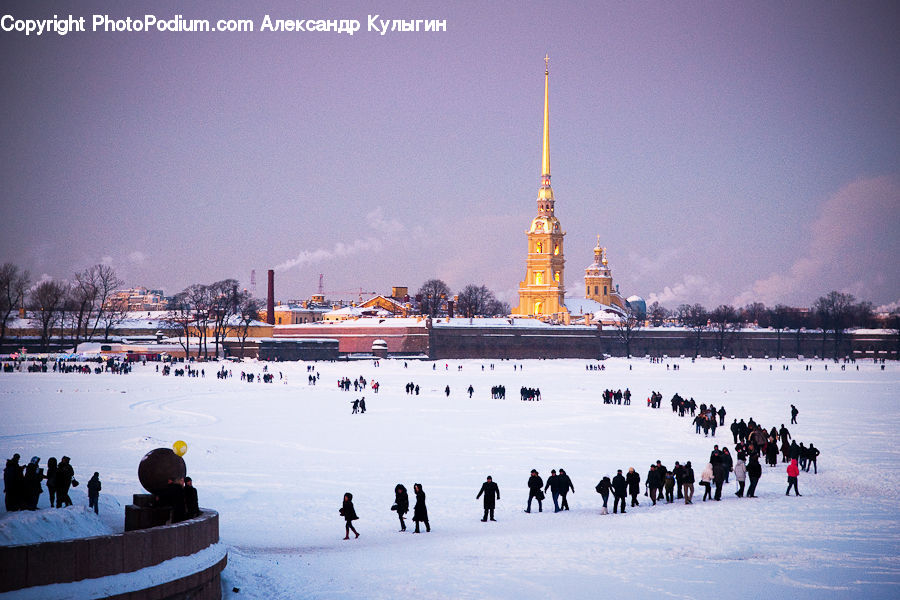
(740, 473)
(706, 481)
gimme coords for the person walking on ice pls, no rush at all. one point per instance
(420, 511)
(349, 513)
(793, 472)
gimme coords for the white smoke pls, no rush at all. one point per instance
(339, 250)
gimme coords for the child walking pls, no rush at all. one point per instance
(349, 513)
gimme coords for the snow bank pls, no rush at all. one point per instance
(51, 525)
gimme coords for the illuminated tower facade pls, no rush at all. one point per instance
(598, 282)
(542, 292)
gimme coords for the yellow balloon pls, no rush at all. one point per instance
(180, 448)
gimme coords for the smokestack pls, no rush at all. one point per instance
(270, 302)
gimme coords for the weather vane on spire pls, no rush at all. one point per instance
(547, 63)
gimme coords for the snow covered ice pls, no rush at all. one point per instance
(275, 460)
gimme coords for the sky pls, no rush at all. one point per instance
(723, 152)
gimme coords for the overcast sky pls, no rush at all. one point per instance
(724, 152)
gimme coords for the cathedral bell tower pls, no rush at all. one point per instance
(543, 291)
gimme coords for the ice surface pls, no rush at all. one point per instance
(275, 460)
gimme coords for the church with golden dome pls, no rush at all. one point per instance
(542, 292)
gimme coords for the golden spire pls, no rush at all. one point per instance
(545, 157)
(545, 195)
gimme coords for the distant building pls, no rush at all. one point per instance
(598, 282)
(138, 299)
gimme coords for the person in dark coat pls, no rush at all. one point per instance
(93, 487)
(794, 413)
(420, 511)
(812, 454)
(754, 472)
(349, 513)
(191, 504)
(688, 482)
(603, 488)
(171, 496)
(51, 480)
(491, 494)
(565, 484)
(678, 472)
(14, 484)
(65, 475)
(620, 486)
(401, 503)
(535, 483)
(719, 472)
(555, 485)
(653, 483)
(633, 479)
(32, 489)
(728, 461)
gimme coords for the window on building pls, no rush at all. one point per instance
(539, 247)
(538, 278)
(556, 276)
(604, 290)
(538, 307)
(596, 290)
(556, 249)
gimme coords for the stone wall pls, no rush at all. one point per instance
(89, 558)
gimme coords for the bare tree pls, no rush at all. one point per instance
(628, 326)
(248, 309)
(179, 318)
(779, 319)
(695, 318)
(724, 321)
(834, 312)
(431, 297)
(83, 301)
(110, 311)
(753, 313)
(13, 287)
(657, 314)
(46, 301)
(798, 321)
(498, 308)
(223, 298)
(113, 314)
(198, 297)
(478, 301)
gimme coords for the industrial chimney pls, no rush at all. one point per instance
(270, 301)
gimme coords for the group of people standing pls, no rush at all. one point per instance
(616, 397)
(22, 483)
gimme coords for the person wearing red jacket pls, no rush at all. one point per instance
(793, 471)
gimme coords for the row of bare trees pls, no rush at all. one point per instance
(833, 313)
(219, 308)
(79, 310)
(86, 308)
(472, 301)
